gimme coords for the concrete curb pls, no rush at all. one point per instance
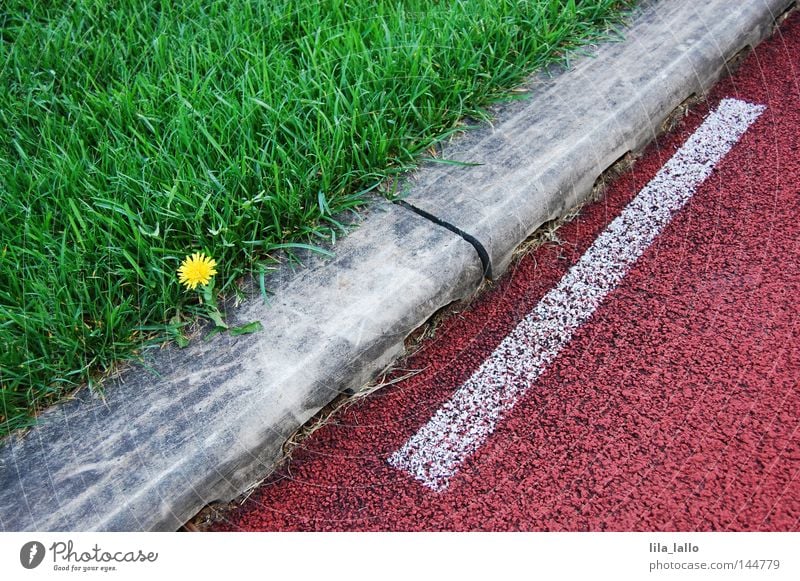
(204, 423)
(543, 156)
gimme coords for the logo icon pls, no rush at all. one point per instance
(31, 554)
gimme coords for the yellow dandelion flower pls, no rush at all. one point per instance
(196, 269)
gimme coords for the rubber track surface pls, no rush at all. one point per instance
(675, 407)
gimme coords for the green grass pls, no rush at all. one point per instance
(133, 132)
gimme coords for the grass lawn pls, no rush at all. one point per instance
(135, 132)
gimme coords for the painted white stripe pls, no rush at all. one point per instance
(434, 454)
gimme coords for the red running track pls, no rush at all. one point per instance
(675, 407)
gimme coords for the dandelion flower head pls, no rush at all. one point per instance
(196, 269)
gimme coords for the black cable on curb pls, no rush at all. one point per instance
(484, 256)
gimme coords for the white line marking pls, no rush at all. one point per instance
(434, 454)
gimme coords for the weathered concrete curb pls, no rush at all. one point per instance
(542, 156)
(213, 418)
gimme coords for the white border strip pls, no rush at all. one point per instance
(433, 455)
